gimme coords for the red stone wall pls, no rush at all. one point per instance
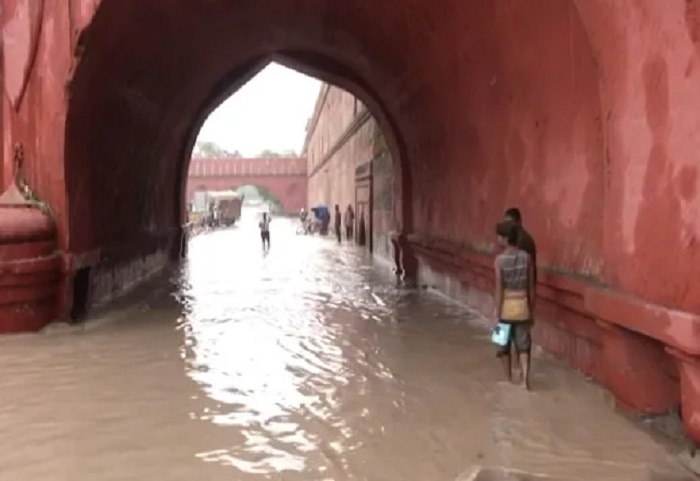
(286, 178)
(652, 139)
(526, 133)
(342, 137)
(247, 167)
(334, 147)
(290, 191)
(112, 281)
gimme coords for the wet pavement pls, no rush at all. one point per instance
(305, 363)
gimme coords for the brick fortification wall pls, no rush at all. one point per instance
(346, 154)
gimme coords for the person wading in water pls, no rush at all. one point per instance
(526, 243)
(515, 299)
(264, 225)
(338, 223)
(349, 223)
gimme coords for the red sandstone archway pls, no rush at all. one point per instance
(285, 178)
(181, 146)
(134, 114)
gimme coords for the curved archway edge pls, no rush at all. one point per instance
(329, 71)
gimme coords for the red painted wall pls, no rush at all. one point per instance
(343, 139)
(526, 133)
(285, 177)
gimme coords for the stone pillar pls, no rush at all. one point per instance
(30, 265)
(689, 370)
(633, 371)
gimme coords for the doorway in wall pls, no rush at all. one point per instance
(363, 206)
(81, 295)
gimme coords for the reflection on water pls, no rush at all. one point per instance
(303, 364)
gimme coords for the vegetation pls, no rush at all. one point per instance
(212, 150)
(271, 153)
(261, 193)
(206, 148)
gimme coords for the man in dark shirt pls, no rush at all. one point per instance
(527, 244)
(525, 240)
(338, 222)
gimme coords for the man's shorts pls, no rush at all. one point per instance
(519, 336)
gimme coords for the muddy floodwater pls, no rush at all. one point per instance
(305, 363)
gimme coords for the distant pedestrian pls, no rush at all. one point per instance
(349, 223)
(303, 218)
(264, 225)
(514, 300)
(362, 229)
(338, 223)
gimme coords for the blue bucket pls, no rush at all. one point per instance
(501, 334)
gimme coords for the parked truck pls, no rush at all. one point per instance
(214, 209)
(224, 207)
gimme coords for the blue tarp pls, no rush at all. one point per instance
(322, 213)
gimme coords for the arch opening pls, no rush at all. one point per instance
(333, 73)
(160, 227)
(251, 142)
(345, 158)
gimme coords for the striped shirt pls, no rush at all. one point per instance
(514, 270)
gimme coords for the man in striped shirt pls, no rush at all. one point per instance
(525, 243)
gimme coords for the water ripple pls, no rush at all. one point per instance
(303, 364)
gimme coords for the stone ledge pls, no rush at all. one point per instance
(645, 354)
(674, 328)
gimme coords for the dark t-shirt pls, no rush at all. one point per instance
(527, 243)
